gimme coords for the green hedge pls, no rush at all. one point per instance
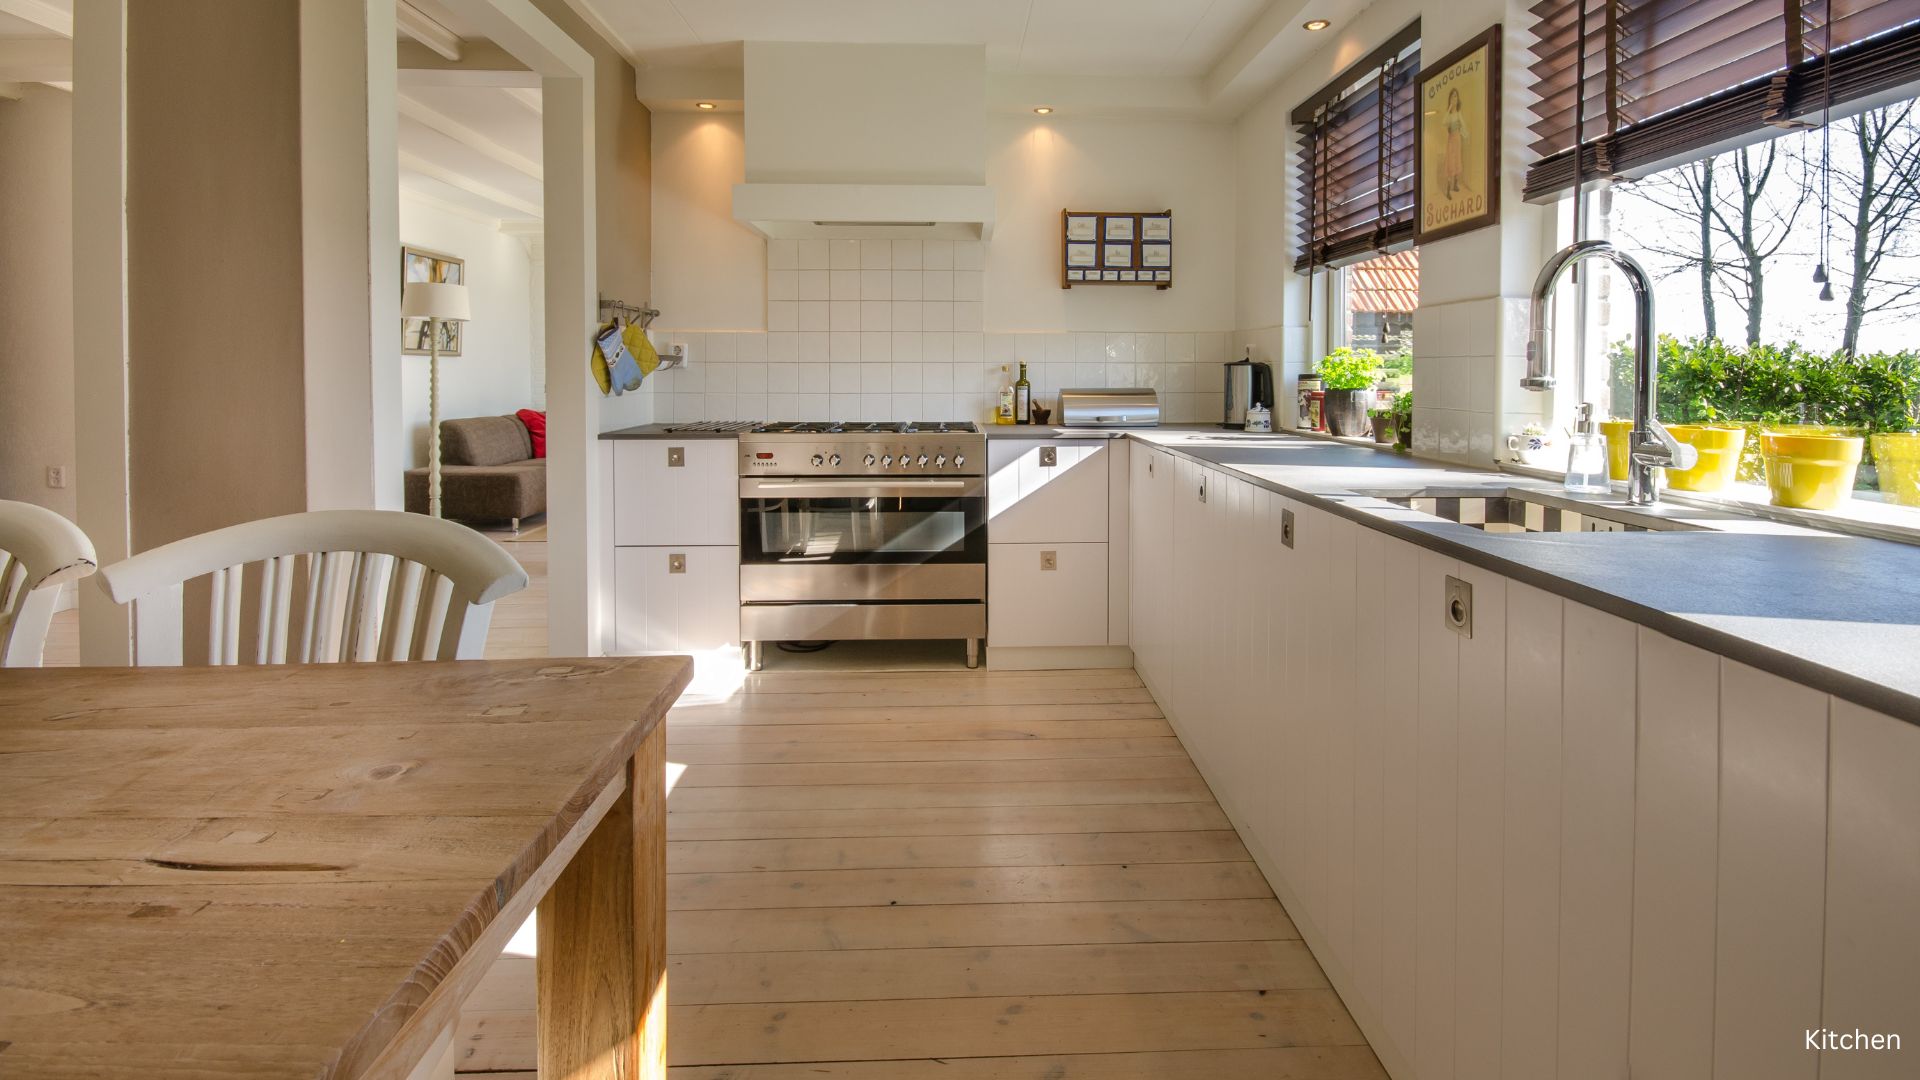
(1705, 380)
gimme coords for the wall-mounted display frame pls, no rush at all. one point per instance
(1458, 140)
(1102, 248)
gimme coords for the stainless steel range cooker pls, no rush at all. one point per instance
(863, 531)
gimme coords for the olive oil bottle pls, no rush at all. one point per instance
(1022, 398)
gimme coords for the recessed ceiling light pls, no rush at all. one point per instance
(705, 105)
(1043, 110)
(1316, 24)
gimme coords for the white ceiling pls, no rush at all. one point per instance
(474, 147)
(1153, 38)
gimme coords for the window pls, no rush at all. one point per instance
(1356, 161)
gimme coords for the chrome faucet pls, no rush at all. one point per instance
(1650, 446)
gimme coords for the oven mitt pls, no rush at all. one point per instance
(620, 363)
(644, 353)
(602, 374)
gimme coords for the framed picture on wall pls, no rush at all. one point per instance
(420, 264)
(1457, 110)
(1083, 227)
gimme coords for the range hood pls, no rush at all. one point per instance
(867, 141)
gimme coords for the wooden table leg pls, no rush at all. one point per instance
(602, 961)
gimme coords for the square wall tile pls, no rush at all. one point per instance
(844, 378)
(1120, 348)
(843, 254)
(969, 255)
(936, 406)
(1150, 348)
(783, 378)
(783, 285)
(783, 315)
(876, 254)
(814, 255)
(721, 348)
(1181, 349)
(936, 347)
(813, 347)
(936, 378)
(811, 407)
(876, 315)
(968, 347)
(783, 255)
(845, 346)
(843, 285)
(907, 377)
(969, 285)
(845, 315)
(936, 315)
(1061, 348)
(783, 348)
(814, 378)
(783, 406)
(844, 407)
(753, 377)
(906, 285)
(906, 254)
(876, 284)
(999, 347)
(750, 348)
(749, 406)
(906, 314)
(815, 284)
(936, 284)
(876, 378)
(814, 315)
(1483, 326)
(936, 254)
(907, 346)
(876, 347)
(969, 316)
(1089, 348)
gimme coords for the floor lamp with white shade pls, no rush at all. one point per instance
(437, 302)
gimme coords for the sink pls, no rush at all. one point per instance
(1516, 510)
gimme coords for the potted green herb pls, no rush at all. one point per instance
(1403, 421)
(1347, 376)
(1382, 424)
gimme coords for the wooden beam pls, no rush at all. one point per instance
(36, 60)
(528, 96)
(468, 184)
(468, 137)
(481, 63)
(41, 14)
(424, 29)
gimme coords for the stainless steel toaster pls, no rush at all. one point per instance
(1109, 407)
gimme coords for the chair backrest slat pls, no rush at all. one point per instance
(331, 586)
(40, 552)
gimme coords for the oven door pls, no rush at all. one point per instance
(863, 521)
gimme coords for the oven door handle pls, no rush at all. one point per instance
(856, 487)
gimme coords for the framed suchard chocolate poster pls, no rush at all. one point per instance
(1458, 140)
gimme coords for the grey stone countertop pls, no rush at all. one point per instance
(1837, 613)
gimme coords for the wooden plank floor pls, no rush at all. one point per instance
(968, 875)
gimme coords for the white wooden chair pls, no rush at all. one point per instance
(39, 552)
(320, 587)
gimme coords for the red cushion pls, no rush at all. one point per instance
(537, 427)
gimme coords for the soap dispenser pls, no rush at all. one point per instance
(1587, 456)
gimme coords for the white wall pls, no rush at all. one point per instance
(876, 114)
(36, 296)
(1039, 166)
(494, 373)
(709, 270)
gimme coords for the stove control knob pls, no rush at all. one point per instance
(834, 460)
(885, 462)
(818, 460)
(959, 460)
(906, 460)
(940, 461)
(923, 461)
(870, 459)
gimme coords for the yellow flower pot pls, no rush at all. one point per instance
(1897, 455)
(1619, 445)
(1811, 472)
(1719, 449)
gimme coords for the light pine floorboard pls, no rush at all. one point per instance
(964, 875)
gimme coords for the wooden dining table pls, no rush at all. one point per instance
(301, 871)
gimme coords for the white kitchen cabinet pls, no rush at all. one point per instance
(668, 493)
(1871, 976)
(1046, 595)
(1150, 534)
(676, 599)
(1032, 502)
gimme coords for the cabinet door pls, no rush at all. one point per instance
(1186, 600)
(1150, 521)
(1046, 594)
(668, 493)
(676, 599)
(1035, 503)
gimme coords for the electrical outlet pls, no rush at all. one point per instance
(56, 476)
(1049, 560)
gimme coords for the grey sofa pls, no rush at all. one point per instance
(487, 472)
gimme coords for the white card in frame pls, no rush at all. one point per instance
(1117, 255)
(1156, 228)
(1083, 227)
(1119, 228)
(1156, 254)
(1081, 254)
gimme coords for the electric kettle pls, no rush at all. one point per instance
(1248, 381)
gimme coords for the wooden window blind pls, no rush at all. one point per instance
(1668, 79)
(1357, 158)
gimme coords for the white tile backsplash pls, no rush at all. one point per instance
(896, 330)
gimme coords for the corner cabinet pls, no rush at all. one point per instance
(1560, 845)
(676, 559)
(1057, 555)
